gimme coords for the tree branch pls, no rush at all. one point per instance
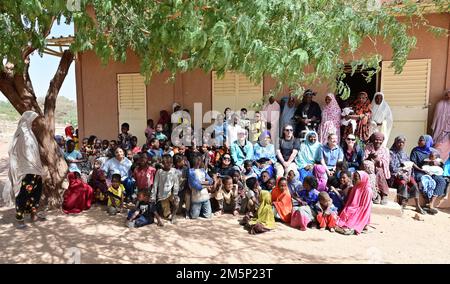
(30, 49)
(55, 86)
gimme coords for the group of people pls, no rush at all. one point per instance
(308, 177)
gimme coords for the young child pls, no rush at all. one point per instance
(227, 197)
(248, 171)
(270, 185)
(155, 151)
(264, 178)
(165, 189)
(307, 198)
(252, 196)
(124, 138)
(115, 195)
(98, 182)
(265, 218)
(144, 174)
(434, 164)
(184, 193)
(200, 184)
(339, 194)
(320, 172)
(326, 212)
(150, 131)
(369, 168)
(134, 145)
(144, 212)
(346, 122)
(162, 138)
(112, 148)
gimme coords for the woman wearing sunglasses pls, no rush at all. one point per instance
(353, 154)
(286, 152)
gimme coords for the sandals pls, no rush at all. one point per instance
(421, 211)
(345, 231)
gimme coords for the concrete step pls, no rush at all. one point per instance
(391, 208)
(392, 195)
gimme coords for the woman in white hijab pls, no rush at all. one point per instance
(382, 119)
(25, 170)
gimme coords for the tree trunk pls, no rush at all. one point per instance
(17, 88)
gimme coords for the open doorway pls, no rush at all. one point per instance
(358, 83)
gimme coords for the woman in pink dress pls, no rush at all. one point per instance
(78, 197)
(356, 213)
(331, 119)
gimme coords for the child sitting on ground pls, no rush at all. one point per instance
(339, 194)
(98, 182)
(252, 196)
(248, 171)
(144, 212)
(326, 212)
(165, 189)
(265, 218)
(302, 216)
(226, 197)
(115, 195)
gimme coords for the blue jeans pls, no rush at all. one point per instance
(129, 183)
(141, 220)
(203, 208)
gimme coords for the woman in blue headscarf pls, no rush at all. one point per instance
(307, 156)
(264, 155)
(418, 155)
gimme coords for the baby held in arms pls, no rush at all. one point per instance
(346, 122)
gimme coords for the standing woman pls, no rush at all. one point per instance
(331, 119)
(382, 119)
(418, 155)
(25, 170)
(308, 113)
(441, 124)
(362, 113)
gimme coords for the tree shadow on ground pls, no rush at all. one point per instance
(100, 238)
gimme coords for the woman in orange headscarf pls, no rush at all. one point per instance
(282, 201)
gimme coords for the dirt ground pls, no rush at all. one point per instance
(94, 237)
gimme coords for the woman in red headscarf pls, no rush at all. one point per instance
(362, 114)
(69, 132)
(78, 197)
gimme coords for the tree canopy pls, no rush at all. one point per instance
(296, 42)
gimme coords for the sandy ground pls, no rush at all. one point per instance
(94, 237)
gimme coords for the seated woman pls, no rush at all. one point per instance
(225, 166)
(330, 154)
(355, 217)
(353, 154)
(241, 149)
(418, 156)
(264, 220)
(401, 174)
(287, 152)
(379, 155)
(281, 200)
(120, 165)
(308, 155)
(79, 196)
(304, 214)
(264, 155)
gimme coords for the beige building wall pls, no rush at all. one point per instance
(97, 86)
